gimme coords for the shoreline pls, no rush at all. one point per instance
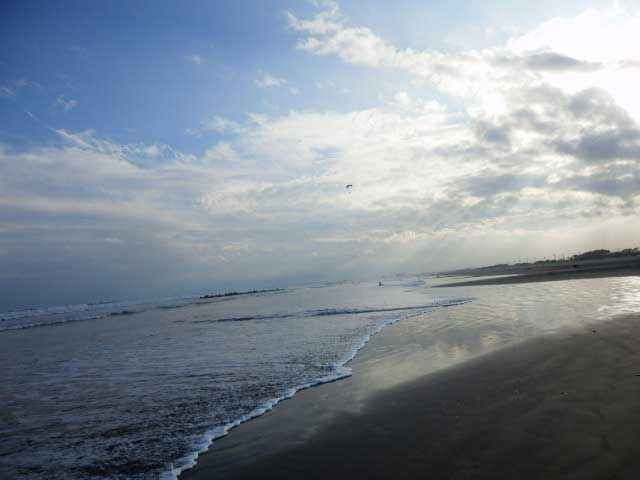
(543, 405)
(395, 411)
(341, 371)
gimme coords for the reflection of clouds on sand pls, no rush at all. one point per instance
(625, 298)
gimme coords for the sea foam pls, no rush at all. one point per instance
(340, 371)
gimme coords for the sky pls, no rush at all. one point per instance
(153, 149)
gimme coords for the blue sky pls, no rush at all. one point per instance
(163, 148)
(146, 71)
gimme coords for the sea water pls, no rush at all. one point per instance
(136, 390)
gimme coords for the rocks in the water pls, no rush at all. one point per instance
(233, 294)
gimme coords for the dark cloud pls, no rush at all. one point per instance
(597, 106)
(555, 62)
(526, 117)
(609, 133)
(629, 64)
(619, 187)
(602, 146)
(488, 185)
(621, 181)
(588, 125)
(495, 134)
(547, 62)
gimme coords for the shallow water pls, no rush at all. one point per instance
(130, 390)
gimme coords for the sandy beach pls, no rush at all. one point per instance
(560, 405)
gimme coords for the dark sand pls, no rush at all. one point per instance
(561, 406)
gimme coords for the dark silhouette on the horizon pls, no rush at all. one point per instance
(591, 264)
(233, 294)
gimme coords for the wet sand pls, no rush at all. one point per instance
(558, 406)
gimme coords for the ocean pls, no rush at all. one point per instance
(136, 390)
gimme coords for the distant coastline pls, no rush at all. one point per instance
(592, 264)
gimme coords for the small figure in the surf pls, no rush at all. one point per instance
(379, 284)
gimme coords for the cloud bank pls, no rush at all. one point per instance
(543, 158)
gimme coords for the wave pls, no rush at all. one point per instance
(243, 319)
(356, 311)
(96, 313)
(49, 316)
(37, 312)
(339, 371)
(315, 313)
(50, 323)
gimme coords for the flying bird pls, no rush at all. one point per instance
(349, 186)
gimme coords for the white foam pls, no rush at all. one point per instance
(340, 371)
(50, 323)
(36, 312)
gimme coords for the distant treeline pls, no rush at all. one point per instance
(594, 255)
(590, 255)
(233, 294)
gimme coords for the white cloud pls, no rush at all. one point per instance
(7, 92)
(10, 90)
(274, 195)
(222, 125)
(537, 159)
(195, 58)
(597, 48)
(113, 240)
(66, 104)
(220, 152)
(402, 99)
(216, 124)
(594, 35)
(323, 23)
(606, 36)
(266, 80)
